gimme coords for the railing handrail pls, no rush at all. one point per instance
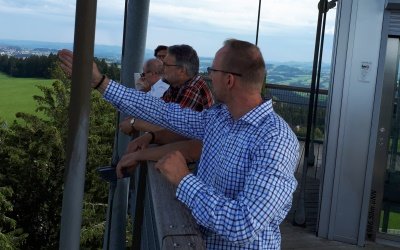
(294, 88)
(166, 218)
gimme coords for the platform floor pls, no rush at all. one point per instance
(303, 239)
(294, 237)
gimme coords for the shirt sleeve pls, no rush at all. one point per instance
(266, 196)
(156, 111)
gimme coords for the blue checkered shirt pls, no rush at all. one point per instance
(245, 181)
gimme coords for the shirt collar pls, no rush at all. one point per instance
(254, 116)
(258, 114)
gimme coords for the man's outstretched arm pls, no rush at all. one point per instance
(190, 150)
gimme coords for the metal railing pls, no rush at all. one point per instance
(291, 103)
(164, 222)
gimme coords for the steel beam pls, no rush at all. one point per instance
(75, 167)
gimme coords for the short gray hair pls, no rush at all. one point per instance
(186, 57)
(155, 65)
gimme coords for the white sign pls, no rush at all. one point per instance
(365, 72)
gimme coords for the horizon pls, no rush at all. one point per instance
(69, 45)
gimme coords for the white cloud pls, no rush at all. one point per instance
(232, 15)
(238, 15)
(203, 24)
(42, 7)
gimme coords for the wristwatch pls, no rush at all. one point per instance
(132, 122)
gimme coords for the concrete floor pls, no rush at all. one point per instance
(302, 239)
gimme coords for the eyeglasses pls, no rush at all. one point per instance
(168, 65)
(144, 73)
(209, 70)
(161, 57)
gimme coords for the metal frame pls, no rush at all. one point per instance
(388, 66)
(134, 43)
(347, 174)
(333, 118)
(72, 205)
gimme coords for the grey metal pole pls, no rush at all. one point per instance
(134, 44)
(258, 21)
(71, 215)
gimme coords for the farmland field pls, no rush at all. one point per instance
(394, 221)
(16, 95)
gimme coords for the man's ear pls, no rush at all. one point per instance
(231, 81)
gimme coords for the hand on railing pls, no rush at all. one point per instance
(173, 166)
(139, 143)
(127, 164)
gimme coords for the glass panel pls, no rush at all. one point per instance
(390, 213)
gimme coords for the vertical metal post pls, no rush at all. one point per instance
(71, 215)
(311, 157)
(300, 211)
(134, 44)
(258, 21)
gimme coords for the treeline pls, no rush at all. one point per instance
(41, 66)
(33, 66)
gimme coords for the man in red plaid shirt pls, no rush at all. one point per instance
(189, 90)
(181, 67)
(187, 87)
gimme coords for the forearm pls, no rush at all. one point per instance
(141, 125)
(165, 136)
(191, 151)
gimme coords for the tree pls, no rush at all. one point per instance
(32, 156)
(10, 236)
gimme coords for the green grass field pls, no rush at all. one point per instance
(394, 220)
(16, 95)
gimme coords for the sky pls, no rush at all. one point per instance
(287, 27)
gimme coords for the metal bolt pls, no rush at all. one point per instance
(176, 244)
(191, 244)
(171, 226)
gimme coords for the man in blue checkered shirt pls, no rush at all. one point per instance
(245, 181)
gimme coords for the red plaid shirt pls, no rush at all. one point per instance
(194, 94)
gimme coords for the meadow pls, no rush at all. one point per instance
(16, 95)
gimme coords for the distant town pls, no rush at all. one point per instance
(19, 52)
